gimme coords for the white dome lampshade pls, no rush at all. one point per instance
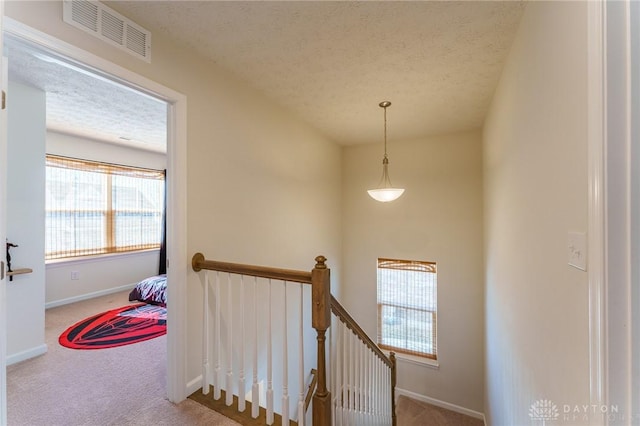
(385, 192)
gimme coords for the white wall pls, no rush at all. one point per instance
(89, 149)
(25, 221)
(262, 187)
(439, 218)
(99, 274)
(535, 156)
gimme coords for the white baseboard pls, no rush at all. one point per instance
(194, 385)
(87, 296)
(28, 354)
(442, 404)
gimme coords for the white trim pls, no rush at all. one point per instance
(176, 194)
(194, 385)
(441, 404)
(596, 206)
(28, 354)
(3, 223)
(618, 208)
(634, 376)
(417, 360)
(88, 296)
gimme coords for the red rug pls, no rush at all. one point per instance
(117, 327)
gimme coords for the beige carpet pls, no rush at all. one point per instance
(116, 386)
(416, 413)
(126, 385)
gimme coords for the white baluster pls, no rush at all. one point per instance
(205, 336)
(359, 380)
(383, 402)
(301, 358)
(376, 387)
(255, 389)
(389, 402)
(363, 375)
(241, 379)
(339, 396)
(361, 383)
(388, 390)
(356, 374)
(367, 381)
(218, 342)
(345, 376)
(352, 377)
(269, 366)
(285, 364)
(381, 390)
(229, 384)
(334, 374)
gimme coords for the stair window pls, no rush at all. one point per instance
(407, 307)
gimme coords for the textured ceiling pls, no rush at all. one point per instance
(84, 104)
(329, 63)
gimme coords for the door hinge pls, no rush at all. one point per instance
(1, 271)
(4, 100)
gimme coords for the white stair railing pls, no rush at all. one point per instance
(360, 388)
(363, 377)
(259, 333)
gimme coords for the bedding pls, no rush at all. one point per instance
(151, 290)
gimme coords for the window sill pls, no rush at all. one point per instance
(416, 360)
(97, 258)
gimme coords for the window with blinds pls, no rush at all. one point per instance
(96, 208)
(407, 307)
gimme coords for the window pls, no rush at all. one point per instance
(407, 307)
(97, 208)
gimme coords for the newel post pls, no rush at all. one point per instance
(321, 320)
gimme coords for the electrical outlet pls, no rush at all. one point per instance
(75, 275)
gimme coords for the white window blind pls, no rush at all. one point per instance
(407, 307)
(97, 208)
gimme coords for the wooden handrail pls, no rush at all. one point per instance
(344, 316)
(198, 263)
(311, 389)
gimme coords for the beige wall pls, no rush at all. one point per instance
(262, 187)
(439, 218)
(535, 155)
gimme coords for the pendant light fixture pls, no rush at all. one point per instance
(385, 192)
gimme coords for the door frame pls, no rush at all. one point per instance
(614, 209)
(177, 259)
(596, 259)
(3, 223)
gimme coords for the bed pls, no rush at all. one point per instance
(151, 290)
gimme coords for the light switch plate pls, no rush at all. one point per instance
(577, 250)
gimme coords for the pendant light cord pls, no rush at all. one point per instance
(385, 132)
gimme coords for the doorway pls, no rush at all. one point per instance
(176, 186)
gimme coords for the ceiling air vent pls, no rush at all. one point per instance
(108, 25)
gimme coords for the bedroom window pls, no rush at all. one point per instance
(96, 208)
(407, 307)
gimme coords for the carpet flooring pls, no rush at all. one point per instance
(410, 412)
(116, 386)
(125, 386)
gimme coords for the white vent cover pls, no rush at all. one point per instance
(108, 25)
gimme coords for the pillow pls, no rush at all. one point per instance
(151, 290)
